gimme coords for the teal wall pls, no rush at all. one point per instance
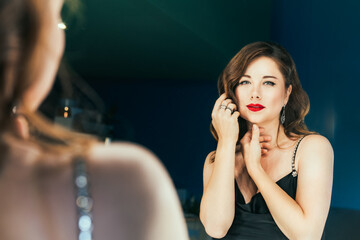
(164, 41)
(323, 37)
(158, 62)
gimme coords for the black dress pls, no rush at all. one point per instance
(253, 220)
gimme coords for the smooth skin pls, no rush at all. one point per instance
(262, 161)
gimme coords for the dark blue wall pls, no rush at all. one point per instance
(172, 117)
(323, 38)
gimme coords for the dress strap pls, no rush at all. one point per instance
(294, 172)
(84, 202)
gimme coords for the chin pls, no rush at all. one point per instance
(252, 120)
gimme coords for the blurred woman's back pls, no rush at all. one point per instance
(132, 196)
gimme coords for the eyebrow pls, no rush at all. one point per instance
(270, 77)
(264, 77)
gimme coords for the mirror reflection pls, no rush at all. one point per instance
(147, 72)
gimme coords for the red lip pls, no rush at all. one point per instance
(255, 107)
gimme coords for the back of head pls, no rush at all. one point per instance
(20, 29)
(24, 41)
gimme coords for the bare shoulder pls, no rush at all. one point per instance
(316, 142)
(316, 148)
(129, 162)
(127, 174)
(121, 151)
(125, 154)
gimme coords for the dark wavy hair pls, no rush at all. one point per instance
(298, 105)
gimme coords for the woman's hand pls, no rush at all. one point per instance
(254, 146)
(225, 119)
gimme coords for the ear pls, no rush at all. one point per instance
(288, 92)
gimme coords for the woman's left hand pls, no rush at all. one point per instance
(252, 149)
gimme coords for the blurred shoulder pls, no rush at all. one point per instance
(130, 175)
(121, 152)
(126, 158)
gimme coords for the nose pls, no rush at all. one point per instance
(255, 94)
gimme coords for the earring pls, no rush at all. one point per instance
(14, 108)
(61, 25)
(282, 118)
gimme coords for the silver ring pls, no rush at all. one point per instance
(222, 106)
(231, 110)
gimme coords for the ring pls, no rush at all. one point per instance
(231, 110)
(222, 106)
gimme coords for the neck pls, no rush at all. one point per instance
(273, 130)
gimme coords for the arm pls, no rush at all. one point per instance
(217, 206)
(217, 209)
(305, 217)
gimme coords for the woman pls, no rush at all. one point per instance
(56, 184)
(281, 172)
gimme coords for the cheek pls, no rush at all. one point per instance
(275, 100)
(240, 96)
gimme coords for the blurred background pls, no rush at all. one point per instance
(146, 71)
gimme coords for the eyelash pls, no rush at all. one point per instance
(242, 82)
(247, 82)
(269, 83)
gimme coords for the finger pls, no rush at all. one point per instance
(267, 138)
(264, 152)
(265, 145)
(235, 114)
(224, 106)
(228, 110)
(255, 133)
(246, 137)
(219, 101)
(226, 102)
(264, 138)
(232, 106)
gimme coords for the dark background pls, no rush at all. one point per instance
(155, 64)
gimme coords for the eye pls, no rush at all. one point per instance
(270, 83)
(243, 82)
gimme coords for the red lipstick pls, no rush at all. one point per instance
(255, 107)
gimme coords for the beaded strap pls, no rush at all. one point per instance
(294, 172)
(84, 202)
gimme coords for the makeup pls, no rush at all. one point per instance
(255, 107)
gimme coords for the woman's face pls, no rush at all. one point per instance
(49, 52)
(261, 92)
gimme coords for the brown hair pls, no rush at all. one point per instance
(21, 39)
(298, 105)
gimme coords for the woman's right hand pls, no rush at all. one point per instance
(225, 119)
